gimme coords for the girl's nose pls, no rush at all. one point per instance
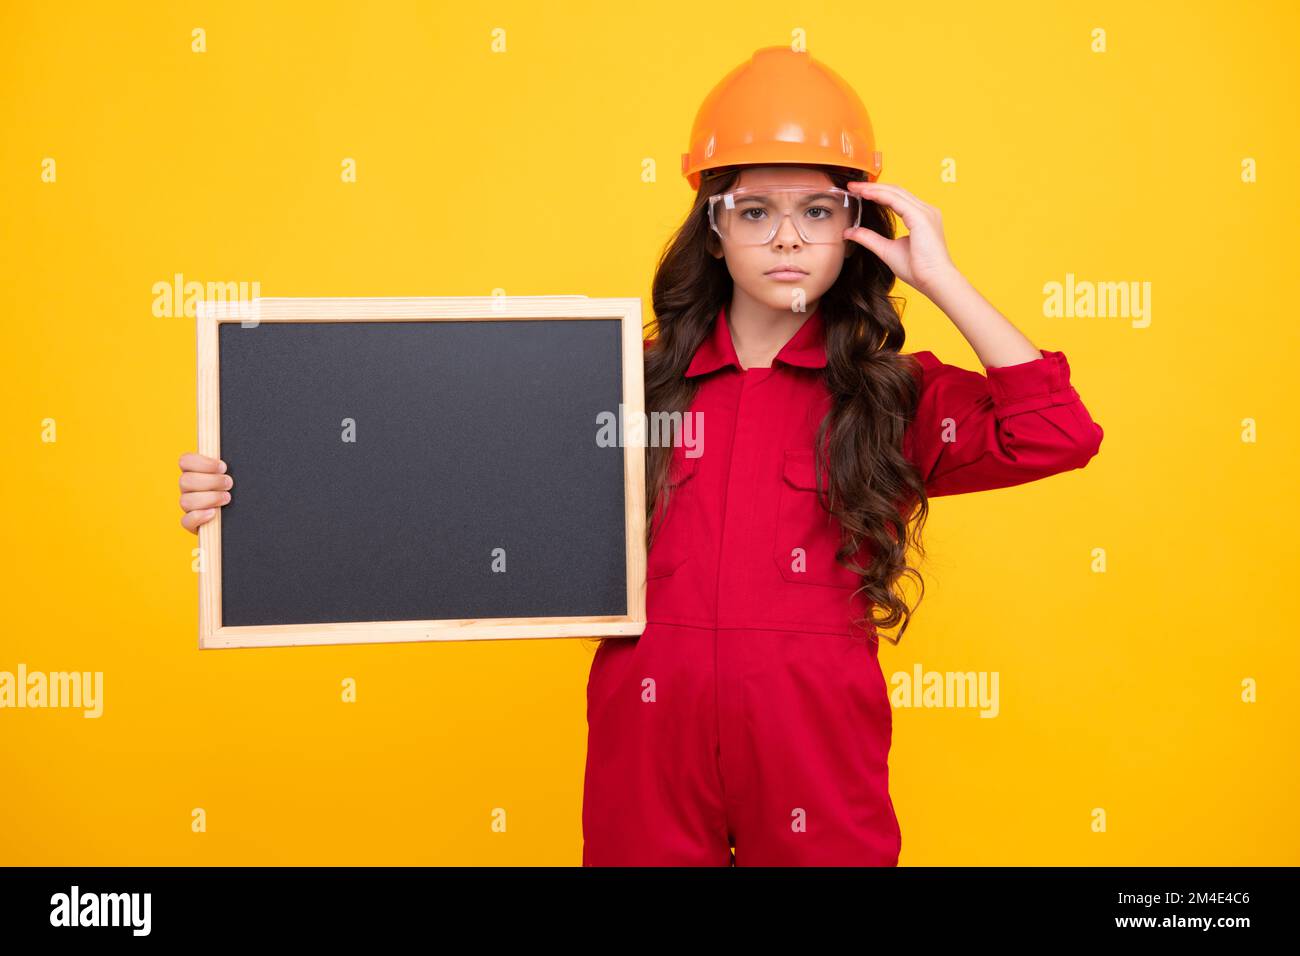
(787, 236)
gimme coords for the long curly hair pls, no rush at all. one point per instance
(874, 491)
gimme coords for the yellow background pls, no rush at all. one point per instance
(522, 171)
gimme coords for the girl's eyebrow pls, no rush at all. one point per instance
(761, 196)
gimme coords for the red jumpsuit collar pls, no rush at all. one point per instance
(806, 348)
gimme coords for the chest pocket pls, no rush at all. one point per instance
(675, 538)
(807, 535)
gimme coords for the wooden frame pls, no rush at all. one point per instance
(212, 634)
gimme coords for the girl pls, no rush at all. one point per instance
(750, 723)
(752, 712)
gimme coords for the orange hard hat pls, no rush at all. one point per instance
(781, 107)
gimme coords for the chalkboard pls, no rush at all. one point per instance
(421, 469)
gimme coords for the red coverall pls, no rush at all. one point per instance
(751, 713)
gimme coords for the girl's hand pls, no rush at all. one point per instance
(921, 257)
(205, 487)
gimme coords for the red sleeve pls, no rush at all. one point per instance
(1015, 423)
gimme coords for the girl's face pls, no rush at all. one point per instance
(752, 267)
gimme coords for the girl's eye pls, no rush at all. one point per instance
(745, 212)
(821, 209)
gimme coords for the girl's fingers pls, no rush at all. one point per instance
(201, 481)
(906, 205)
(196, 500)
(900, 194)
(191, 520)
(909, 207)
(894, 253)
(907, 195)
(869, 238)
(193, 461)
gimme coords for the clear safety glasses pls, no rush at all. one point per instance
(751, 216)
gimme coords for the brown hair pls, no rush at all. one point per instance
(874, 491)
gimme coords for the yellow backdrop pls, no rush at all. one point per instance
(1138, 614)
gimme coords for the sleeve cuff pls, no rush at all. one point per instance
(1029, 386)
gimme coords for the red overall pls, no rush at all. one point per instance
(751, 713)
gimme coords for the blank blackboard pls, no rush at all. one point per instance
(423, 469)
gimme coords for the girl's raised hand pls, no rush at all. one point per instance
(205, 487)
(921, 257)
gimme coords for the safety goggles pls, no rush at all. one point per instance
(751, 215)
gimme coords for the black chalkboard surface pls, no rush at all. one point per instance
(419, 478)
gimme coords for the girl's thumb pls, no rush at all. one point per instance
(866, 237)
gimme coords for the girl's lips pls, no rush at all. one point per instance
(786, 276)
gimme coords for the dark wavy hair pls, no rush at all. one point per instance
(874, 491)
